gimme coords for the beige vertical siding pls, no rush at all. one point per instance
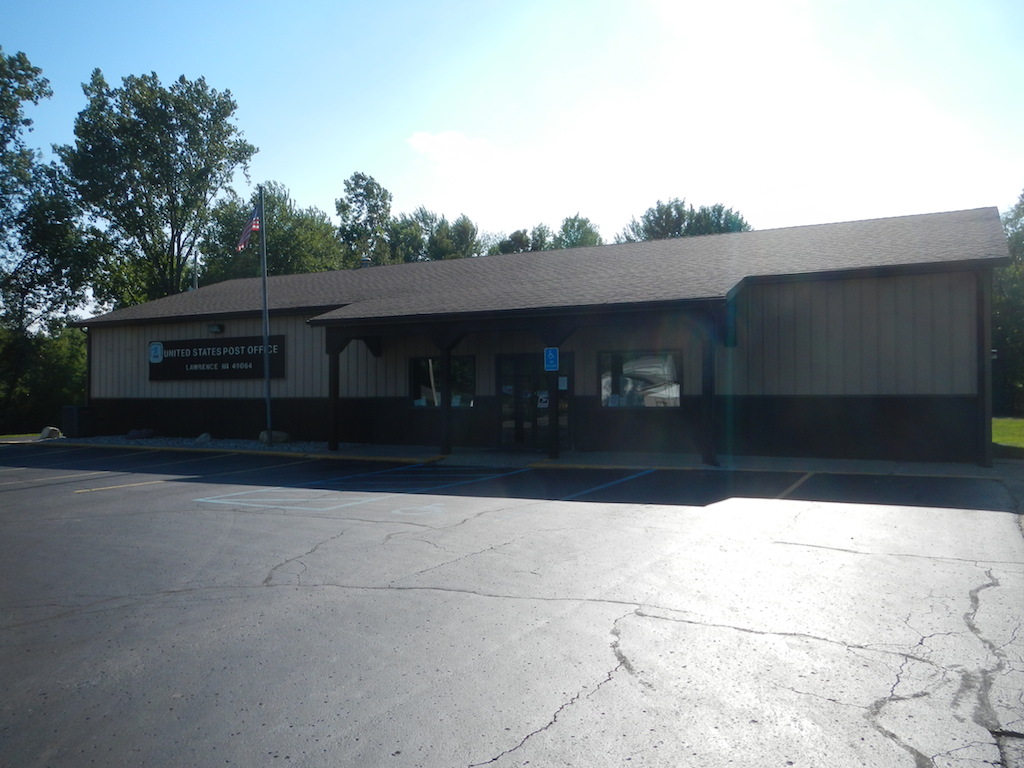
(906, 335)
(363, 375)
(120, 367)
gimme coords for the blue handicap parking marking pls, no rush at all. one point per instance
(294, 499)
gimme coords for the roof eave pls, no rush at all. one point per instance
(523, 314)
(203, 317)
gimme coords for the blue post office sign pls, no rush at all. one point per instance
(198, 359)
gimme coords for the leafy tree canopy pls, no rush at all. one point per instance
(47, 255)
(20, 83)
(150, 160)
(576, 232)
(298, 239)
(365, 213)
(540, 238)
(50, 258)
(465, 239)
(40, 372)
(1008, 317)
(405, 240)
(677, 219)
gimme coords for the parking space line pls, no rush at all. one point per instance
(386, 488)
(410, 480)
(795, 485)
(621, 480)
(479, 479)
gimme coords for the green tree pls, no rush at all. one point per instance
(20, 83)
(299, 240)
(677, 219)
(365, 213)
(405, 239)
(465, 239)
(50, 257)
(716, 219)
(40, 372)
(150, 161)
(517, 242)
(1008, 318)
(541, 238)
(440, 244)
(577, 232)
(47, 256)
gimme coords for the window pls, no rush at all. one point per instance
(639, 379)
(427, 383)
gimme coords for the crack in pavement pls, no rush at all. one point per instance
(873, 716)
(976, 683)
(623, 663)
(270, 576)
(795, 635)
(912, 555)
(492, 548)
(984, 714)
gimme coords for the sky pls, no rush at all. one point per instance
(518, 113)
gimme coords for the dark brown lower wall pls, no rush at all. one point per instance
(364, 420)
(302, 418)
(902, 428)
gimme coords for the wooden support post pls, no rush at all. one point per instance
(335, 343)
(708, 339)
(446, 339)
(446, 400)
(334, 362)
(983, 293)
(554, 427)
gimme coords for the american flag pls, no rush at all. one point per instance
(252, 226)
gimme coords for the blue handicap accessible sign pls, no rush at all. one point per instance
(551, 358)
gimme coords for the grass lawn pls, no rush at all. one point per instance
(1008, 432)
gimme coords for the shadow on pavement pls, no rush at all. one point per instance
(53, 464)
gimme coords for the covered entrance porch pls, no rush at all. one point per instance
(481, 382)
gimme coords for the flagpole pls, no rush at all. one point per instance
(266, 318)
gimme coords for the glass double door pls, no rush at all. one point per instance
(523, 387)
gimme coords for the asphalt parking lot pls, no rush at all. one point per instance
(169, 608)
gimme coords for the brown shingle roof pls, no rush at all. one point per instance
(684, 269)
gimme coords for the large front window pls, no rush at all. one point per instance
(639, 379)
(426, 377)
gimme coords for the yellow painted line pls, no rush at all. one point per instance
(107, 471)
(194, 477)
(58, 477)
(795, 485)
(114, 487)
(257, 469)
(69, 450)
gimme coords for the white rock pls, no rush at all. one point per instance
(278, 437)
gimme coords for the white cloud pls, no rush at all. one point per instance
(742, 103)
